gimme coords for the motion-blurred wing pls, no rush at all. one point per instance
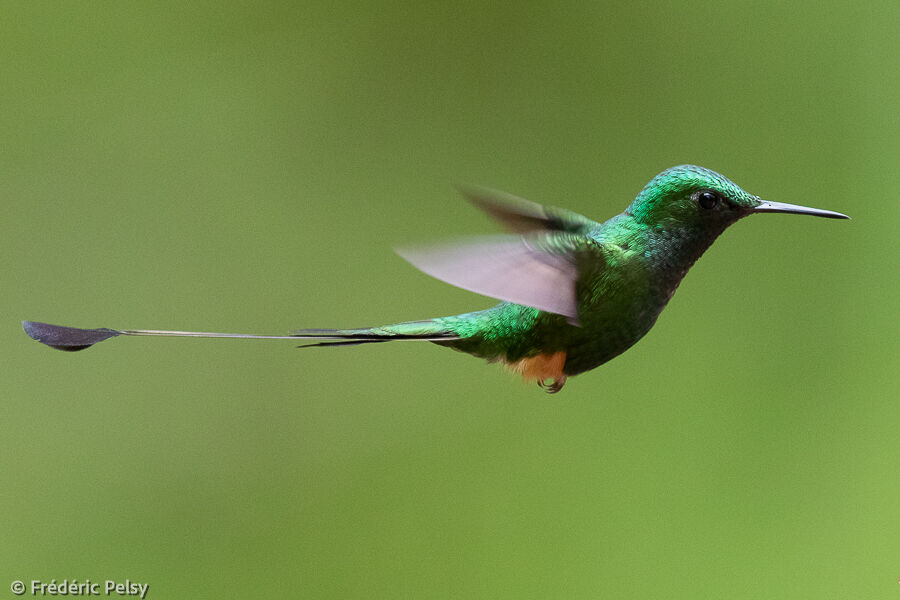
(535, 270)
(523, 216)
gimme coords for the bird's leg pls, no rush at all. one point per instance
(552, 388)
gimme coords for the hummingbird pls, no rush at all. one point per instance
(574, 292)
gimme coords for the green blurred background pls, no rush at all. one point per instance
(249, 166)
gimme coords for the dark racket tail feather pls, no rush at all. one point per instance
(71, 339)
(68, 339)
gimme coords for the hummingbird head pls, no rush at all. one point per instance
(696, 197)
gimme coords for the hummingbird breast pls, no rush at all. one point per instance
(623, 299)
(617, 311)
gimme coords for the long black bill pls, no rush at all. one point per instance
(782, 207)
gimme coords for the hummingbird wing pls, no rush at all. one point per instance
(523, 216)
(536, 270)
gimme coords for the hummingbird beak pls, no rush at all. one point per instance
(781, 207)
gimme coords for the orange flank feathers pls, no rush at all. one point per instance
(543, 368)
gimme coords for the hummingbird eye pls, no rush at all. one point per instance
(707, 199)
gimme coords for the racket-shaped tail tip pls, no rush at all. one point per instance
(68, 339)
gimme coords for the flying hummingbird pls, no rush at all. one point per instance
(575, 293)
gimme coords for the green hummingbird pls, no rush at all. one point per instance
(575, 293)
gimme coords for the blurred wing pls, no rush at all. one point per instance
(536, 271)
(523, 216)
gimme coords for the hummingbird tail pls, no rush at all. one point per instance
(72, 338)
(418, 331)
